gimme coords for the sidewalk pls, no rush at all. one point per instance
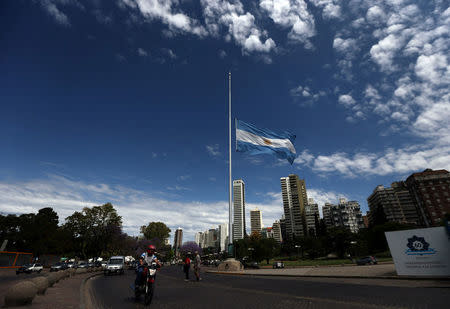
(383, 271)
(63, 294)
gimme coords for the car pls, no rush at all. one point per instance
(371, 260)
(58, 266)
(278, 265)
(98, 264)
(71, 265)
(82, 264)
(248, 264)
(116, 265)
(30, 268)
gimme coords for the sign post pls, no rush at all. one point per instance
(420, 252)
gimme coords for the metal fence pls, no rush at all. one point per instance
(9, 259)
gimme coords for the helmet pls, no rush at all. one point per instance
(151, 248)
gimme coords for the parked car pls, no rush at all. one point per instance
(248, 264)
(278, 265)
(58, 266)
(82, 264)
(371, 260)
(71, 265)
(30, 268)
(98, 264)
(115, 265)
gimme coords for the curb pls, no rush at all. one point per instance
(82, 292)
(331, 276)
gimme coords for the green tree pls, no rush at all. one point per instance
(94, 230)
(157, 232)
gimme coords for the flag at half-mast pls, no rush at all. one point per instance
(255, 141)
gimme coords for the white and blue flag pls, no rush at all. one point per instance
(254, 141)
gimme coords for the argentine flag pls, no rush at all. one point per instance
(257, 141)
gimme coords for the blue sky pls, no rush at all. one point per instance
(126, 101)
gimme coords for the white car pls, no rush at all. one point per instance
(115, 265)
(30, 268)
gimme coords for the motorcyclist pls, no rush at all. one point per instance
(146, 258)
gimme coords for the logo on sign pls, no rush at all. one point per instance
(418, 246)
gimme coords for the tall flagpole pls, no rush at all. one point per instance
(230, 188)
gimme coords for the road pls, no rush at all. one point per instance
(226, 291)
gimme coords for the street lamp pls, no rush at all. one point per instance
(298, 250)
(251, 252)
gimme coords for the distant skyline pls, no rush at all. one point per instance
(126, 102)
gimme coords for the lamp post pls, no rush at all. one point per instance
(251, 252)
(353, 242)
(298, 250)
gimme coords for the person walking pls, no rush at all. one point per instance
(186, 267)
(197, 263)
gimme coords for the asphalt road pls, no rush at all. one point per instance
(226, 291)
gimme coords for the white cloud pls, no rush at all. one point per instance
(306, 94)
(102, 18)
(433, 68)
(240, 25)
(384, 51)
(346, 100)
(392, 161)
(330, 8)
(375, 15)
(184, 177)
(213, 150)
(136, 207)
(321, 197)
(168, 52)
(345, 45)
(222, 54)
(291, 14)
(168, 13)
(142, 52)
(55, 12)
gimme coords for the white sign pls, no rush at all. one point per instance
(420, 252)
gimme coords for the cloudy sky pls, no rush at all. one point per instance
(125, 101)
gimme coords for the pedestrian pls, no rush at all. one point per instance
(186, 267)
(197, 263)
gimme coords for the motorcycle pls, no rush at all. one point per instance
(148, 287)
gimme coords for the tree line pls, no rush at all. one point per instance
(92, 232)
(335, 242)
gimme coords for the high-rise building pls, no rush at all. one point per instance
(198, 238)
(223, 236)
(239, 209)
(255, 221)
(178, 240)
(212, 238)
(312, 217)
(431, 191)
(276, 231)
(283, 227)
(326, 212)
(394, 204)
(347, 215)
(295, 199)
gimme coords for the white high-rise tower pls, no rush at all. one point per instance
(239, 209)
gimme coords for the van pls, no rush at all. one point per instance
(115, 265)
